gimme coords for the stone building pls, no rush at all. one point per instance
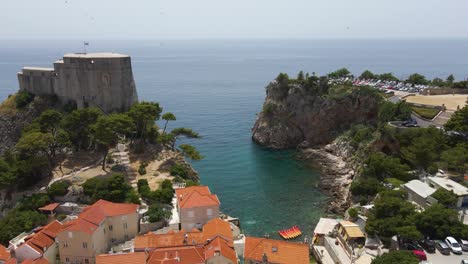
(103, 80)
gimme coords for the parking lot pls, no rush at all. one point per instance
(437, 258)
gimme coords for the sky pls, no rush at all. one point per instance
(212, 19)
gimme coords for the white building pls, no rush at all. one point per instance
(449, 185)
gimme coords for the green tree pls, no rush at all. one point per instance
(438, 222)
(421, 153)
(366, 187)
(183, 132)
(190, 152)
(416, 78)
(144, 115)
(438, 82)
(389, 111)
(456, 158)
(446, 198)
(409, 232)
(108, 129)
(58, 188)
(398, 256)
(179, 170)
(367, 75)
(300, 76)
(156, 213)
(113, 188)
(49, 121)
(19, 221)
(458, 121)
(35, 144)
(7, 175)
(79, 125)
(450, 79)
(23, 98)
(168, 117)
(189, 183)
(381, 166)
(387, 77)
(340, 73)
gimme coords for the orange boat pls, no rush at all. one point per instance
(290, 233)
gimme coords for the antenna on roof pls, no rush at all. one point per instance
(84, 46)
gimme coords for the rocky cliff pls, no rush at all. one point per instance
(295, 115)
(12, 120)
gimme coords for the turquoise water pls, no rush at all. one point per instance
(217, 87)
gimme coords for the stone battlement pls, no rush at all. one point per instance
(103, 80)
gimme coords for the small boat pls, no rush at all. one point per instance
(290, 233)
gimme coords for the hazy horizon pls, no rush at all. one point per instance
(241, 19)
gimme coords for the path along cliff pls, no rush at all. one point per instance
(311, 115)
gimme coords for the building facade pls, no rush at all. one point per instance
(98, 228)
(102, 80)
(196, 206)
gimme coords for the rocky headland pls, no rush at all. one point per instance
(311, 116)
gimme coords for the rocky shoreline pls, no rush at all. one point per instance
(337, 173)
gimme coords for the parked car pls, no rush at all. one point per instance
(453, 245)
(463, 244)
(428, 245)
(443, 248)
(416, 249)
(465, 261)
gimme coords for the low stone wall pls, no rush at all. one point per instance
(439, 91)
(146, 227)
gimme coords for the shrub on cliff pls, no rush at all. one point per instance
(269, 108)
(59, 188)
(23, 98)
(389, 111)
(113, 188)
(458, 121)
(157, 213)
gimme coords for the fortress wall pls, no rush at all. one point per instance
(101, 80)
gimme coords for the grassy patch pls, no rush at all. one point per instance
(425, 112)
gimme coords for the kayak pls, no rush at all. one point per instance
(290, 233)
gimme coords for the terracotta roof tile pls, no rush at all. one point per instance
(277, 251)
(4, 253)
(49, 207)
(196, 196)
(178, 255)
(80, 225)
(11, 261)
(222, 246)
(126, 258)
(96, 212)
(37, 261)
(217, 227)
(44, 237)
(153, 241)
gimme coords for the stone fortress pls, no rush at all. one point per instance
(102, 80)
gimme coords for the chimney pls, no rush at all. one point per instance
(185, 239)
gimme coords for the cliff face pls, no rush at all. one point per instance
(294, 116)
(12, 121)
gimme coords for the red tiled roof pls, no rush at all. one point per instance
(99, 210)
(221, 246)
(44, 237)
(277, 251)
(11, 261)
(196, 196)
(80, 225)
(174, 239)
(93, 215)
(49, 207)
(4, 253)
(178, 255)
(217, 227)
(126, 258)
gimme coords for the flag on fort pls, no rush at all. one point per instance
(86, 43)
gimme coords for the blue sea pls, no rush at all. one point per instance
(216, 87)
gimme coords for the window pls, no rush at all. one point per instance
(67, 260)
(65, 244)
(86, 261)
(124, 217)
(70, 234)
(209, 212)
(190, 213)
(125, 226)
(104, 230)
(85, 245)
(110, 228)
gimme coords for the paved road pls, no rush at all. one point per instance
(437, 258)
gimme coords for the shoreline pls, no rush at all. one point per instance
(337, 174)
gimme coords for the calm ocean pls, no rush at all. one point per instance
(217, 87)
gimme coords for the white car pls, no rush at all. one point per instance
(454, 245)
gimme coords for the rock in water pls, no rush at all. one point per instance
(298, 115)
